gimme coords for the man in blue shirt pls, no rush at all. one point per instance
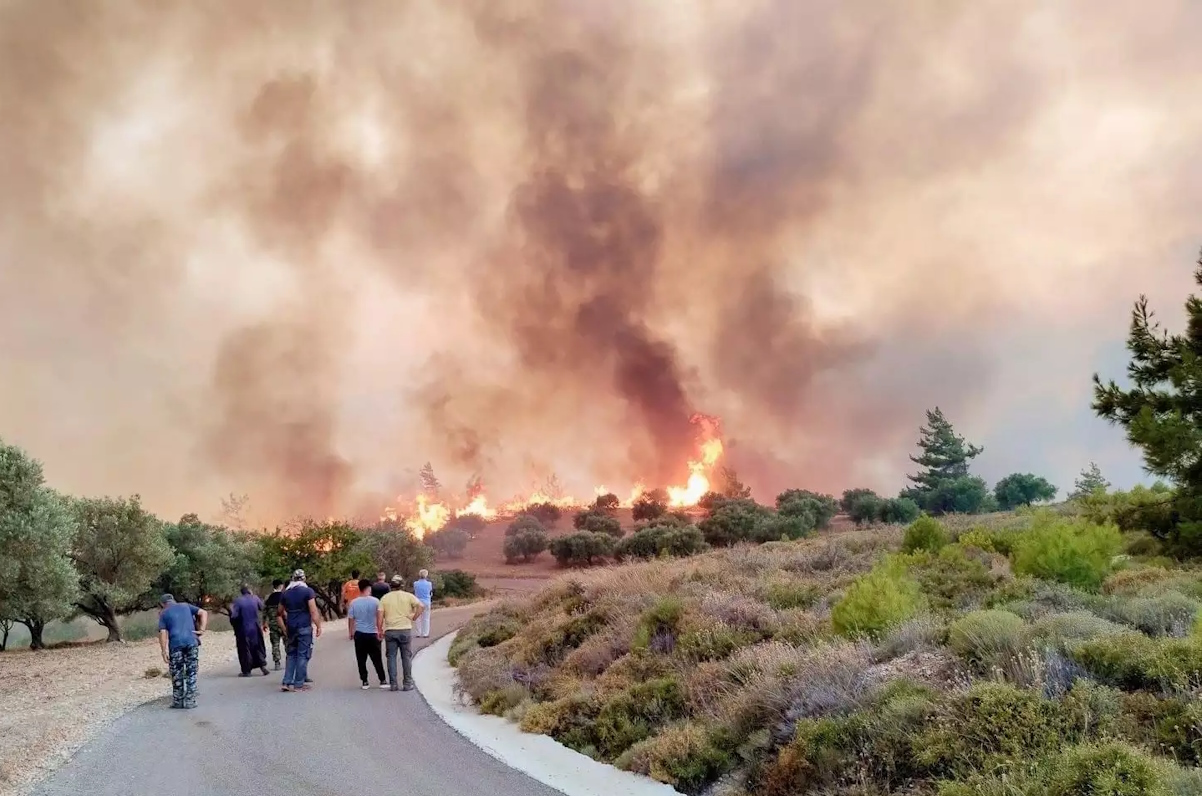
(300, 622)
(423, 590)
(179, 640)
(361, 617)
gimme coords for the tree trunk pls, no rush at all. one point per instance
(105, 616)
(35, 627)
(6, 625)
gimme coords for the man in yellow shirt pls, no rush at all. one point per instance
(394, 624)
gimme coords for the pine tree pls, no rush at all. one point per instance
(430, 484)
(475, 487)
(1089, 482)
(945, 455)
(1161, 411)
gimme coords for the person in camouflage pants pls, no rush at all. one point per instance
(270, 606)
(184, 663)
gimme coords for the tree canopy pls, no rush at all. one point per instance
(1090, 482)
(944, 484)
(1022, 489)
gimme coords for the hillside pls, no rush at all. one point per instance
(839, 666)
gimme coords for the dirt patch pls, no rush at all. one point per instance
(52, 702)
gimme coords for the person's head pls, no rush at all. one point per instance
(354, 574)
(398, 583)
(245, 589)
(166, 600)
(298, 576)
(425, 573)
(364, 585)
(277, 584)
(380, 576)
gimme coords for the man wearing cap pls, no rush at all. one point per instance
(300, 622)
(180, 644)
(394, 624)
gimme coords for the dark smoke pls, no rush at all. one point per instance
(296, 250)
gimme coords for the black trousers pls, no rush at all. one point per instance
(368, 646)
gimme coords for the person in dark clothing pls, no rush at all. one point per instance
(271, 607)
(361, 616)
(380, 587)
(300, 620)
(245, 617)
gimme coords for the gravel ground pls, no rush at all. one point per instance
(52, 702)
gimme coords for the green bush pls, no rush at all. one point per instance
(989, 726)
(1168, 614)
(661, 540)
(1113, 769)
(686, 756)
(455, 583)
(1133, 661)
(582, 549)
(884, 597)
(1062, 631)
(780, 527)
(816, 509)
(898, 511)
(597, 521)
(732, 522)
(659, 626)
(634, 714)
(546, 513)
(987, 638)
(524, 546)
(1076, 552)
(951, 579)
(449, 542)
(1170, 724)
(925, 533)
(524, 523)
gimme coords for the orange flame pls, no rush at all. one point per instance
(428, 516)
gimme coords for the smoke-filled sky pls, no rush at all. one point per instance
(296, 249)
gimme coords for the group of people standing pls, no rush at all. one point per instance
(377, 613)
(382, 613)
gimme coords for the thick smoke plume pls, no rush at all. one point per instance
(296, 250)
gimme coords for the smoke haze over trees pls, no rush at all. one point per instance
(300, 254)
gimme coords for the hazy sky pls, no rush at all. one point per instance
(297, 250)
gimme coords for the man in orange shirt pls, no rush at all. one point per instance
(350, 592)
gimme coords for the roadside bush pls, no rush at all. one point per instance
(455, 583)
(875, 602)
(523, 523)
(686, 756)
(985, 639)
(449, 542)
(582, 549)
(634, 714)
(597, 522)
(525, 546)
(1075, 552)
(925, 533)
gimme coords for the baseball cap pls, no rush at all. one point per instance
(166, 598)
(397, 580)
(298, 574)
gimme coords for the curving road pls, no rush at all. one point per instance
(246, 737)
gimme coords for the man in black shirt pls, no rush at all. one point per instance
(380, 587)
(270, 606)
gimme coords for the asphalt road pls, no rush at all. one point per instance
(247, 737)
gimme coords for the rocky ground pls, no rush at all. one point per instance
(51, 702)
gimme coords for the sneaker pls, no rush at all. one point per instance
(410, 687)
(383, 685)
(365, 686)
(308, 679)
(393, 688)
(244, 674)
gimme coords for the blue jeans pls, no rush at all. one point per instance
(300, 649)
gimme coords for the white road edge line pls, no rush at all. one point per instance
(538, 756)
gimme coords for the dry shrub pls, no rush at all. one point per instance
(683, 756)
(798, 627)
(920, 633)
(482, 671)
(739, 611)
(1131, 582)
(595, 655)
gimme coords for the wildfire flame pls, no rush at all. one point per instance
(426, 515)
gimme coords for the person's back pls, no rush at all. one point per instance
(295, 602)
(363, 613)
(179, 620)
(423, 589)
(350, 590)
(380, 588)
(398, 609)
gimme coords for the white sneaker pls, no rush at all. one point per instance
(365, 686)
(383, 685)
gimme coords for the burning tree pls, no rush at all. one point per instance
(430, 484)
